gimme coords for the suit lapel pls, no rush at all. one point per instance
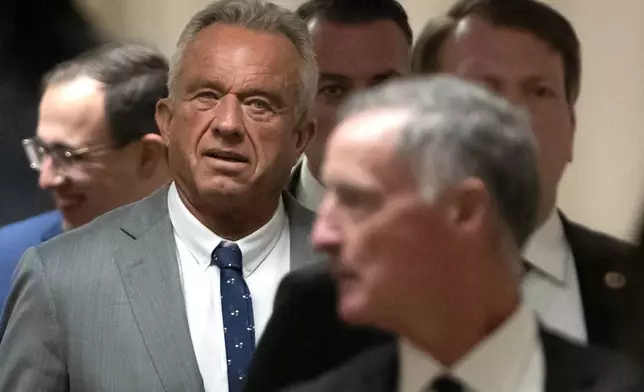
(296, 173)
(150, 273)
(300, 224)
(604, 311)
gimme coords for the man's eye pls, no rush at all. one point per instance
(333, 91)
(207, 95)
(544, 92)
(71, 157)
(259, 105)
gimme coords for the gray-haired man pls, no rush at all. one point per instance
(431, 191)
(173, 292)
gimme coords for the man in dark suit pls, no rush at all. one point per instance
(358, 44)
(171, 293)
(427, 206)
(582, 283)
(97, 146)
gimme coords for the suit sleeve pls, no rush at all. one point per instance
(31, 347)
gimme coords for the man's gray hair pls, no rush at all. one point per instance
(457, 130)
(262, 16)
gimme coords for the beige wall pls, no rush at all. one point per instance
(604, 187)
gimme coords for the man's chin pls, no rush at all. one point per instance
(351, 309)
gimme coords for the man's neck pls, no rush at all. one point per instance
(232, 221)
(455, 333)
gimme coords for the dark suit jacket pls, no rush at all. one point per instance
(611, 282)
(17, 237)
(568, 368)
(305, 337)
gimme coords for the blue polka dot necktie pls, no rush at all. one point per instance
(237, 313)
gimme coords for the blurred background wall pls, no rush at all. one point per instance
(604, 187)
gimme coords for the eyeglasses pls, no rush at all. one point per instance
(63, 158)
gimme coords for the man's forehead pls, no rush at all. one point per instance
(371, 127)
(79, 88)
(475, 45)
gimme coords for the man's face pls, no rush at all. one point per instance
(527, 72)
(232, 126)
(351, 58)
(388, 246)
(71, 117)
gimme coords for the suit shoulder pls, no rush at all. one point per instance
(310, 280)
(29, 227)
(17, 237)
(85, 240)
(604, 369)
(374, 366)
(587, 243)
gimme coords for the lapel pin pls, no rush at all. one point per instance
(615, 280)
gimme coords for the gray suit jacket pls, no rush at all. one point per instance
(101, 308)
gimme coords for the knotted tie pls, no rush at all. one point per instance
(446, 383)
(237, 313)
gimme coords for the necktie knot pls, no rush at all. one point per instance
(446, 383)
(227, 255)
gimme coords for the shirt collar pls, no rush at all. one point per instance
(201, 241)
(496, 364)
(309, 190)
(547, 248)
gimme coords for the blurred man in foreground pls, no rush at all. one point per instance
(427, 206)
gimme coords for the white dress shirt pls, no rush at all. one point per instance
(309, 191)
(551, 287)
(509, 360)
(265, 258)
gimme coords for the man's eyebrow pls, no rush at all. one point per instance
(334, 77)
(270, 94)
(390, 73)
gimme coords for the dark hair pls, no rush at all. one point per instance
(135, 78)
(357, 12)
(530, 16)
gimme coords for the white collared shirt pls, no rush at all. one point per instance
(265, 258)
(509, 360)
(309, 191)
(551, 287)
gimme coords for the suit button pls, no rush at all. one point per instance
(615, 280)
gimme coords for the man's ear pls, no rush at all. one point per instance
(304, 135)
(152, 154)
(163, 117)
(573, 129)
(469, 204)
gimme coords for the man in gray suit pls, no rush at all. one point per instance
(171, 293)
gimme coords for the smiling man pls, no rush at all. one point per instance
(172, 293)
(96, 147)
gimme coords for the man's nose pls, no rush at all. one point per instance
(50, 174)
(325, 233)
(229, 119)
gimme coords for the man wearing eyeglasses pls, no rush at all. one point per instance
(97, 146)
